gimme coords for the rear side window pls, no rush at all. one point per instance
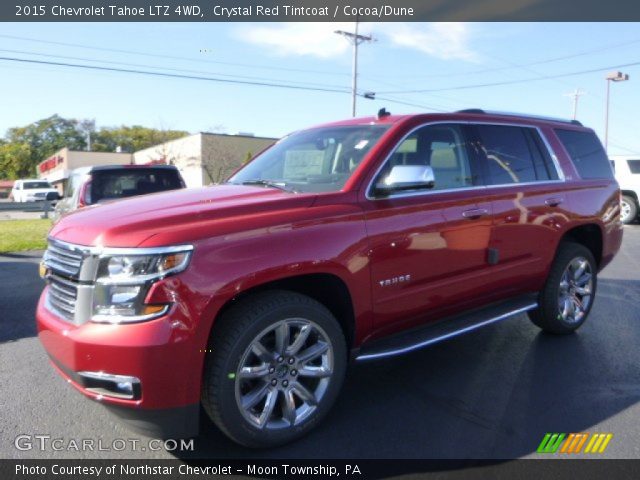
(109, 185)
(634, 166)
(587, 153)
(514, 155)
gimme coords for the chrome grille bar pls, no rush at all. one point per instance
(62, 296)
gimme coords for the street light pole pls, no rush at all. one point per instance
(612, 77)
(355, 39)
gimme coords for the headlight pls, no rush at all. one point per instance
(124, 280)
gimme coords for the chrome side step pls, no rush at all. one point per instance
(421, 337)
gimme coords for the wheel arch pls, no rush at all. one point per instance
(630, 193)
(326, 288)
(590, 235)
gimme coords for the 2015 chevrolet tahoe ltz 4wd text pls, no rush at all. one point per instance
(356, 240)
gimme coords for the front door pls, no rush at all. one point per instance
(428, 248)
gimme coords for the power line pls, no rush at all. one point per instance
(531, 64)
(173, 75)
(171, 57)
(84, 59)
(511, 82)
(213, 79)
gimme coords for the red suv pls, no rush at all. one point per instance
(356, 240)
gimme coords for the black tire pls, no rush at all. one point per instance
(235, 331)
(548, 316)
(632, 210)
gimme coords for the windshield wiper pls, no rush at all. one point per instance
(270, 183)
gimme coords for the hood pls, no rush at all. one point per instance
(174, 217)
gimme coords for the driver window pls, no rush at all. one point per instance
(443, 148)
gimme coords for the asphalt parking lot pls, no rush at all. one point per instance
(493, 393)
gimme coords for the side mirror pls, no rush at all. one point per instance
(407, 177)
(53, 196)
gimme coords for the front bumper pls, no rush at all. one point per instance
(163, 354)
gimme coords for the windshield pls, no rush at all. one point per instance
(318, 160)
(34, 185)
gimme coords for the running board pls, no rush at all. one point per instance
(421, 337)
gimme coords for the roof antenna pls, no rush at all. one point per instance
(383, 113)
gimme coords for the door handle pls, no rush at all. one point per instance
(475, 213)
(554, 202)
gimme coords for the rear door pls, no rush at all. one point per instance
(428, 247)
(527, 195)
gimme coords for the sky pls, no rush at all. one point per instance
(411, 67)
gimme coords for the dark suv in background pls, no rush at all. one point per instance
(91, 185)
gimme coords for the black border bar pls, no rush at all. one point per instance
(368, 469)
(318, 10)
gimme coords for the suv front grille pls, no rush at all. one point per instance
(63, 260)
(62, 296)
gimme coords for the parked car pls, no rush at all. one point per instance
(92, 185)
(33, 191)
(627, 171)
(360, 240)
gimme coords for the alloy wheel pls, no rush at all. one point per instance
(576, 290)
(284, 374)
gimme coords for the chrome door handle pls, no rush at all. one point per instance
(475, 213)
(554, 202)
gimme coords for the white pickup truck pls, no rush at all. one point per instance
(32, 191)
(627, 170)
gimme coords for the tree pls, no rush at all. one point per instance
(220, 158)
(16, 161)
(27, 146)
(132, 139)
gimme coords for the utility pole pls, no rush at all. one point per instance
(576, 94)
(355, 39)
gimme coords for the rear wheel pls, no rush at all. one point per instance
(277, 365)
(568, 294)
(628, 209)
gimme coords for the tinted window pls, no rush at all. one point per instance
(587, 153)
(634, 166)
(443, 148)
(545, 168)
(34, 185)
(109, 185)
(509, 156)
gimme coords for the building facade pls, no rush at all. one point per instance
(57, 167)
(202, 158)
(205, 158)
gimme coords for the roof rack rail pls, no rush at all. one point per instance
(525, 115)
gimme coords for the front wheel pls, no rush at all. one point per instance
(568, 294)
(276, 366)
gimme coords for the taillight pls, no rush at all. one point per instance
(84, 198)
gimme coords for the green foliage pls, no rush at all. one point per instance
(131, 139)
(23, 148)
(16, 161)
